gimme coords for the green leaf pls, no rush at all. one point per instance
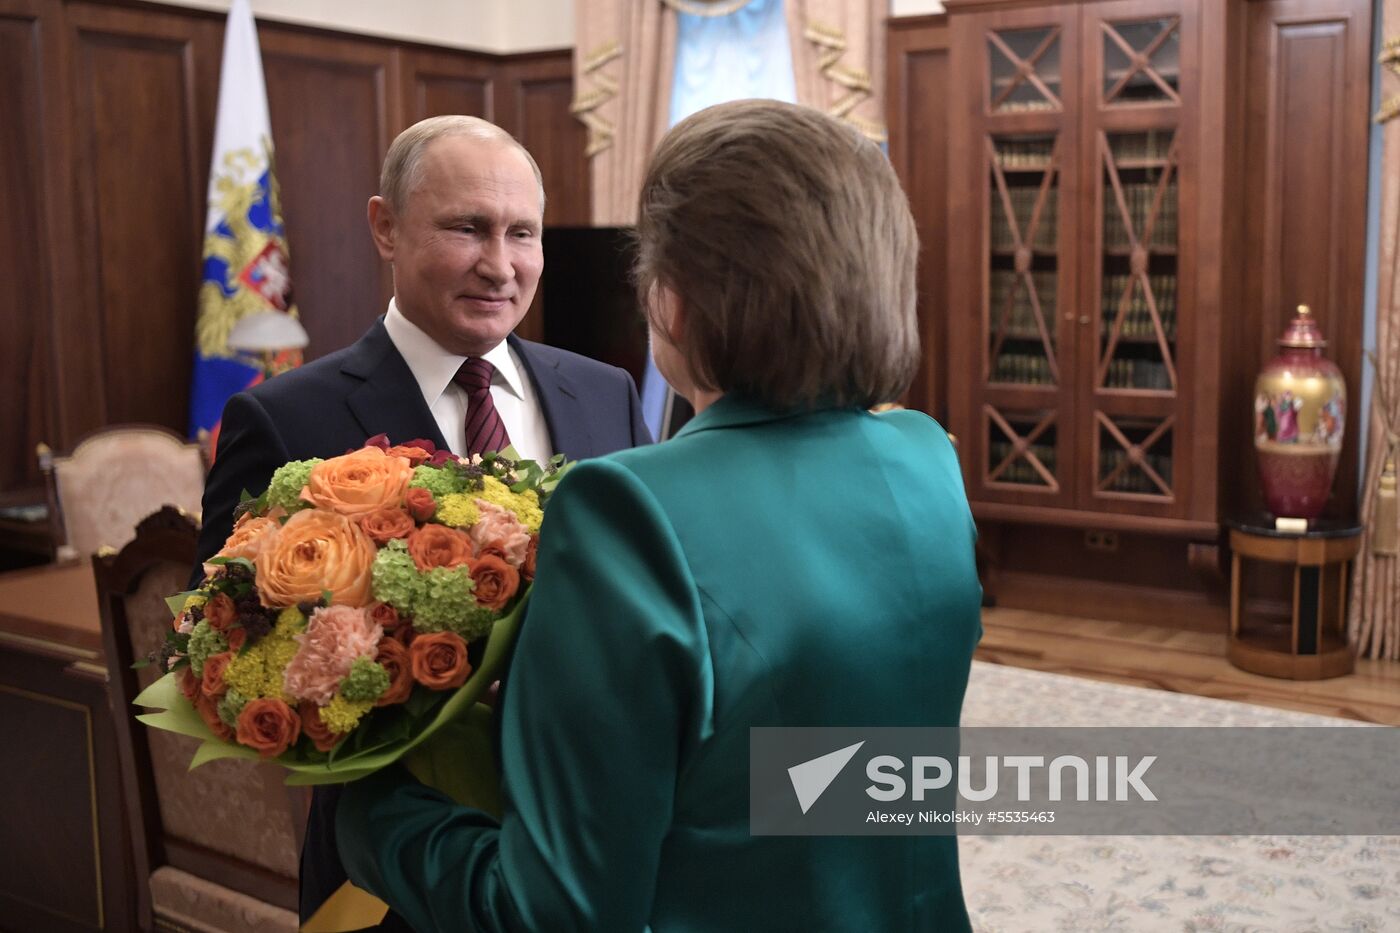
(177, 602)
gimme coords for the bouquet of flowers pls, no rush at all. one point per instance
(362, 604)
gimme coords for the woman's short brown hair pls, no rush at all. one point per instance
(790, 242)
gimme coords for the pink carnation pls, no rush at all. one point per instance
(335, 636)
(500, 526)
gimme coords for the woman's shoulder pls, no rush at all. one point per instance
(916, 427)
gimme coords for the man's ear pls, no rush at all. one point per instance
(382, 227)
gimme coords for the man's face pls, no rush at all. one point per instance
(466, 244)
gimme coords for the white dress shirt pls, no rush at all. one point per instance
(511, 389)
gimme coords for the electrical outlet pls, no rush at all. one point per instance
(1101, 540)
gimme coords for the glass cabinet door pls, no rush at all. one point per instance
(1020, 412)
(1135, 383)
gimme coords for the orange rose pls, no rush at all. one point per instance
(393, 657)
(494, 549)
(221, 612)
(420, 504)
(316, 730)
(496, 581)
(439, 660)
(249, 536)
(528, 570)
(384, 525)
(212, 683)
(316, 551)
(385, 616)
(236, 637)
(414, 455)
(208, 709)
(439, 546)
(189, 684)
(268, 726)
(359, 482)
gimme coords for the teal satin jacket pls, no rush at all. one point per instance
(759, 569)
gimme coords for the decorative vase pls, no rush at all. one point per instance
(1300, 403)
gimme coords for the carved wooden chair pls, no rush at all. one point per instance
(112, 479)
(215, 848)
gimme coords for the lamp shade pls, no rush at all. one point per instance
(267, 331)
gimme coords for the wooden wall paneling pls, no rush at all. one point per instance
(336, 105)
(438, 82)
(64, 866)
(917, 95)
(25, 298)
(534, 106)
(532, 103)
(1309, 96)
(138, 138)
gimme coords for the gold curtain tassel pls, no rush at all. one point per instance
(1385, 522)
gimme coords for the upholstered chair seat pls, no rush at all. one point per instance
(116, 477)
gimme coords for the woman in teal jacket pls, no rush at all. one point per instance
(788, 559)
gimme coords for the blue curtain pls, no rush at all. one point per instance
(722, 58)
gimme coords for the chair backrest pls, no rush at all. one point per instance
(232, 822)
(114, 478)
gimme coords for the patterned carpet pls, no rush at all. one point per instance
(1095, 884)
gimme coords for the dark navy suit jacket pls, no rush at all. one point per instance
(334, 404)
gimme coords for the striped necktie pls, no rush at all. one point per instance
(485, 429)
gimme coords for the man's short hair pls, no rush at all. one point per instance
(790, 242)
(402, 169)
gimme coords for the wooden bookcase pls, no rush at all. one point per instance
(1137, 194)
(1076, 186)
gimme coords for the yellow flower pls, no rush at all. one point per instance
(524, 505)
(257, 672)
(457, 510)
(342, 715)
(194, 601)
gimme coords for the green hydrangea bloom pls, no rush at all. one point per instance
(525, 505)
(342, 715)
(458, 510)
(286, 485)
(440, 481)
(257, 671)
(205, 641)
(447, 603)
(367, 680)
(395, 577)
(230, 706)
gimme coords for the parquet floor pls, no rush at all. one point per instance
(1180, 661)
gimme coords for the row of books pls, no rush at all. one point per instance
(1141, 147)
(1138, 322)
(1023, 201)
(1022, 319)
(1137, 374)
(1023, 369)
(1020, 470)
(1134, 479)
(1025, 153)
(1138, 198)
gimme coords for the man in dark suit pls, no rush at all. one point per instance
(459, 216)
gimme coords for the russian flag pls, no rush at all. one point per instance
(246, 268)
